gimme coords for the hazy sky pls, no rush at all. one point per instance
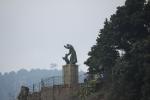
(33, 32)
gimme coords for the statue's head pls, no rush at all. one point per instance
(68, 46)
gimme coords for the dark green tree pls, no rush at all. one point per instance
(103, 54)
(127, 31)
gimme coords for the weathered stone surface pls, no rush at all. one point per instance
(70, 74)
(34, 96)
(23, 93)
(58, 92)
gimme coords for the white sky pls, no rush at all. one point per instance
(33, 32)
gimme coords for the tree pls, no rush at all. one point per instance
(103, 54)
(128, 30)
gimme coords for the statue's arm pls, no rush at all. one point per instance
(65, 46)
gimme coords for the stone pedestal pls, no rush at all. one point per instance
(70, 74)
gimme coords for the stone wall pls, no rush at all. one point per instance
(34, 96)
(58, 92)
(70, 74)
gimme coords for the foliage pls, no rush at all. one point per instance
(126, 76)
(86, 89)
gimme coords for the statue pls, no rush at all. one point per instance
(23, 93)
(72, 54)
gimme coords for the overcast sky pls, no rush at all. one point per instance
(33, 32)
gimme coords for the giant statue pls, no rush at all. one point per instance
(71, 57)
(23, 93)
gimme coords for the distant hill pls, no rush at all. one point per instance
(11, 82)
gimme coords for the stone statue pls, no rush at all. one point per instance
(72, 54)
(23, 93)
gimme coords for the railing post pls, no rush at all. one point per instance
(33, 87)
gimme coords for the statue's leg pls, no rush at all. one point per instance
(72, 60)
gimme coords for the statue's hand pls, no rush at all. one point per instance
(65, 46)
(66, 60)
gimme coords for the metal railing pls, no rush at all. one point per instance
(51, 81)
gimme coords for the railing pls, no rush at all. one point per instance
(51, 81)
(56, 80)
